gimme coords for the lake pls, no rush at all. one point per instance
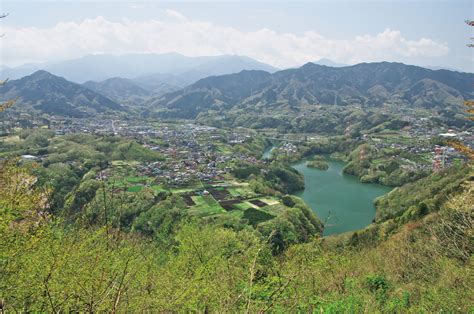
(341, 201)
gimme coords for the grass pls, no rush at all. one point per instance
(11, 139)
(379, 161)
(239, 191)
(223, 149)
(236, 213)
(244, 205)
(198, 200)
(117, 183)
(136, 179)
(158, 188)
(234, 192)
(209, 200)
(135, 188)
(207, 205)
(182, 190)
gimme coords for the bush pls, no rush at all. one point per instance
(288, 201)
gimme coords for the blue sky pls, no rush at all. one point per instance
(281, 33)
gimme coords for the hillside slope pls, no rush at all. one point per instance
(365, 84)
(119, 90)
(46, 93)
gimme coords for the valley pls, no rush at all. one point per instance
(301, 173)
(236, 156)
(233, 177)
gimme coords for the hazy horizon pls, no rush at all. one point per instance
(324, 61)
(281, 34)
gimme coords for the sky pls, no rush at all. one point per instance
(281, 33)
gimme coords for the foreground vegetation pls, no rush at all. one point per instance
(47, 264)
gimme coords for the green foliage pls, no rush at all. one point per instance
(38, 138)
(288, 201)
(82, 195)
(256, 216)
(284, 178)
(315, 99)
(378, 166)
(75, 270)
(147, 251)
(379, 286)
(244, 170)
(161, 220)
(53, 267)
(20, 197)
(427, 194)
(134, 151)
(318, 164)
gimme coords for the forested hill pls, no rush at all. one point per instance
(47, 93)
(118, 89)
(366, 84)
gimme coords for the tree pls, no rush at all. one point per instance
(464, 149)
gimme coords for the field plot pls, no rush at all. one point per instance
(244, 205)
(241, 192)
(258, 203)
(256, 216)
(230, 204)
(137, 179)
(135, 188)
(159, 188)
(220, 193)
(186, 189)
(206, 204)
(270, 201)
(11, 139)
(188, 199)
(231, 199)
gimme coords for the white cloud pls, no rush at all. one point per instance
(196, 38)
(174, 14)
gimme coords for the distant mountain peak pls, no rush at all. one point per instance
(310, 65)
(103, 66)
(365, 84)
(329, 63)
(42, 74)
(48, 93)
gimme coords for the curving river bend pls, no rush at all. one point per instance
(341, 201)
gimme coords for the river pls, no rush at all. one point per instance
(341, 201)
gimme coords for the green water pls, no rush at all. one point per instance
(341, 201)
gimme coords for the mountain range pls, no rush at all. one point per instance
(251, 93)
(184, 70)
(365, 84)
